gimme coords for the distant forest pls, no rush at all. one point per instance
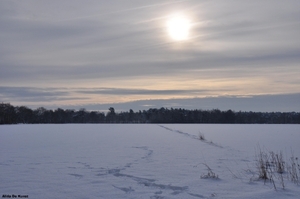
(23, 115)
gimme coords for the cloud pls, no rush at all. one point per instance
(259, 103)
(120, 91)
(77, 98)
(112, 48)
(35, 94)
(32, 94)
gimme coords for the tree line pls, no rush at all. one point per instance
(21, 114)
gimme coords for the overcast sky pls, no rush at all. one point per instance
(76, 53)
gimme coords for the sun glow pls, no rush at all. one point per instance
(178, 27)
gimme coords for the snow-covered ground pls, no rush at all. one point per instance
(142, 160)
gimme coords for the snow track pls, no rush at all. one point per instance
(191, 136)
(139, 161)
(120, 172)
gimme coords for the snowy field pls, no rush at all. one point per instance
(143, 160)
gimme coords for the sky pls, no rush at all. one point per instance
(93, 54)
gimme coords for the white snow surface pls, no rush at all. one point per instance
(142, 160)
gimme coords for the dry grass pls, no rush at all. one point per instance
(210, 174)
(272, 167)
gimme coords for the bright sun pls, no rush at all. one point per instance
(178, 27)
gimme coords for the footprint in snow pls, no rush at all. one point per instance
(124, 189)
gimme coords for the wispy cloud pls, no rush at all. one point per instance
(119, 91)
(259, 103)
(23, 95)
(120, 48)
(35, 94)
(76, 98)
